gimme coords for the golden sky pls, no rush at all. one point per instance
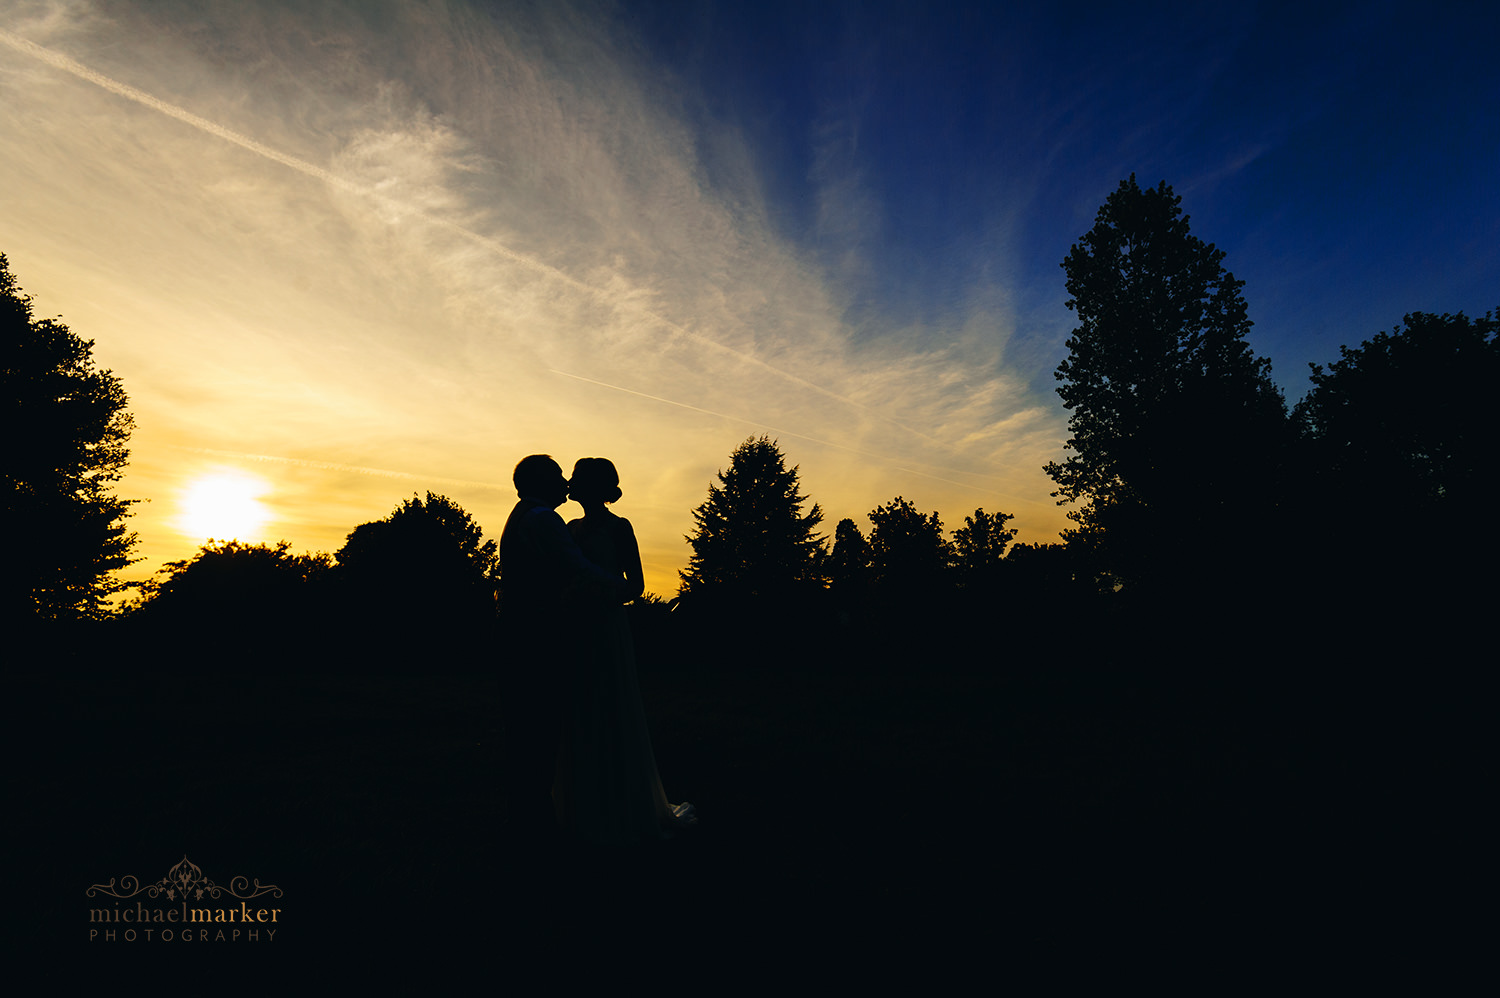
(341, 260)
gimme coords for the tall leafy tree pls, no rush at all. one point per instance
(427, 560)
(64, 454)
(979, 547)
(751, 536)
(1408, 417)
(1176, 426)
(908, 552)
(1403, 429)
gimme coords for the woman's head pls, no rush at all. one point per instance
(594, 478)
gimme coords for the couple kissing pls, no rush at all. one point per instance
(579, 754)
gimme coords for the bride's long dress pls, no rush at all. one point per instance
(607, 789)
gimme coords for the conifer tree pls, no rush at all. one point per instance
(751, 536)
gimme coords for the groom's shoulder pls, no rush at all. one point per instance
(524, 505)
(534, 512)
(525, 510)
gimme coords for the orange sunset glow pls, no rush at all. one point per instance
(325, 300)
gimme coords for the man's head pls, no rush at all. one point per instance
(539, 477)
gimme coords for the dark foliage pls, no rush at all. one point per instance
(907, 549)
(411, 592)
(234, 587)
(229, 574)
(979, 549)
(233, 606)
(849, 564)
(424, 570)
(1176, 427)
(1403, 429)
(1409, 415)
(65, 452)
(751, 536)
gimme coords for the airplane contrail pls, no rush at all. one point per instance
(335, 466)
(78, 69)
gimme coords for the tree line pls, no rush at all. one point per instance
(1189, 478)
(1186, 474)
(751, 539)
(418, 583)
(1190, 483)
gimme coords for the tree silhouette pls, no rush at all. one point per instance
(1403, 429)
(229, 582)
(907, 551)
(1176, 426)
(979, 547)
(228, 570)
(65, 453)
(751, 536)
(849, 564)
(1408, 416)
(427, 564)
(233, 605)
(1049, 562)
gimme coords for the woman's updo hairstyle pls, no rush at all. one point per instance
(596, 476)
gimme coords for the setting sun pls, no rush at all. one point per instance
(223, 505)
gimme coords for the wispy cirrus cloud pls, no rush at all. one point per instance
(422, 238)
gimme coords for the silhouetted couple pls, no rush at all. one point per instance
(578, 749)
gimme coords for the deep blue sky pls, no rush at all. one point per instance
(346, 251)
(1344, 155)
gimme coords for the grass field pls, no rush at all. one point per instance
(869, 805)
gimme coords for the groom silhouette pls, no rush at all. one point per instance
(544, 577)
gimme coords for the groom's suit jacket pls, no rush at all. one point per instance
(542, 571)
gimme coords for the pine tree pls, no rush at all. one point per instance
(751, 536)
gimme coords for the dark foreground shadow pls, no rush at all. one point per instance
(858, 805)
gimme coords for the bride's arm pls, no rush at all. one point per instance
(630, 558)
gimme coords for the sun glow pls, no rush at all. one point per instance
(223, 505)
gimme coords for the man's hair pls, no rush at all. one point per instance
(535, 474)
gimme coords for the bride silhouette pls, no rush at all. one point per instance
(607, 790)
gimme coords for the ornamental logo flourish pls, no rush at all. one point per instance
(181, 914)
(182, 880)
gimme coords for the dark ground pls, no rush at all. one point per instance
(866, 807)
